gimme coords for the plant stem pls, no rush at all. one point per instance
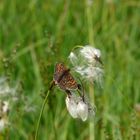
(40, 115)
(89, 22)
(91, 42)
(91, 124)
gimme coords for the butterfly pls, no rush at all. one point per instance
(63, 78)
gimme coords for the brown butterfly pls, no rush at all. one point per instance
(63, 78)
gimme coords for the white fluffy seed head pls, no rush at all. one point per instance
(90, 53)
(71, 105)
(73, 58)
(90, 73)
(86, 61)
(5, 107)
(97, 52)
(79, 108)
(82, 110)
(3, 123)
(5, 89)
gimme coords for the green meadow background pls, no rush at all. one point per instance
(35, 34)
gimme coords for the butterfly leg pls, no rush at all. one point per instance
(79, 86)
(81, 91)
(68, 92)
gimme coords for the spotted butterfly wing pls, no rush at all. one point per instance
(59, 70)
(63, 78)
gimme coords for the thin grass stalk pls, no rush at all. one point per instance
(91, 124)
(40, 115)
(89, 22)
(91, 42)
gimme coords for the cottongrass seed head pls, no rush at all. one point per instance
(12, 100)
(5, 89)
(4, 109)
(79, 108)
(86, 61)
(91, 54)
(3, 124)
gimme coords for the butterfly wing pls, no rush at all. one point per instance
(68, 82)
(63, 78)
(59, 70)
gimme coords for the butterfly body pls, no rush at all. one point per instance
(63, 78)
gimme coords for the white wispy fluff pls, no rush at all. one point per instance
(78, 108)
(73, 58)
(91, 73)
(71, 104)
(82, 110)
(86, 62)
(5, 89)
(90, 53)
(3, 123)
(9, 95)
(5, 106)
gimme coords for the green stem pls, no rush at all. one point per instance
(40, 115)
(77, 47)
(90, 22)
(91, 42)
(91, 124)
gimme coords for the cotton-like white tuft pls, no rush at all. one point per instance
(5, 107)
(86, 61)
(3, 123)
(90, 53)
(73, 58)
(82, 110)
(71, 105)
(79, 108)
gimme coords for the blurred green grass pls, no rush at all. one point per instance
(43, 33)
